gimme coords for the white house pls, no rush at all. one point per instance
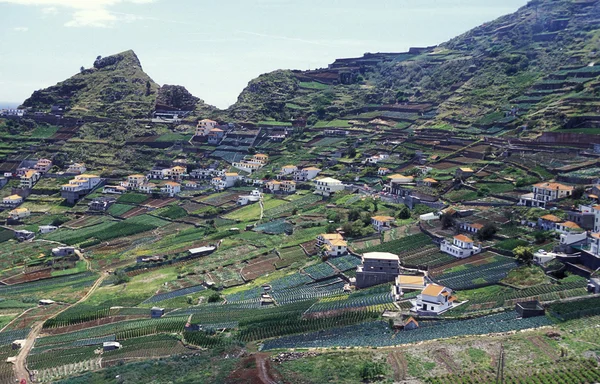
(401, 179)
(288, 170)
(545, 192)
(47, 228)
(568, 227)
(253, 197)
(134, 181)
(81, 183)
(77, 168)
(461, 247)
(12, 200)
(29, 178)
(377, 158)
(147, 187)
(332, 244)
(171, 188)
(434, 299)
(273, 186)
(306, 174)
(204, 127)
(19, 213)
(407, 283)
(43, 165)
(114, 189)
(383, 171)
(382, 223)
(328, 186)
(287, 186)
(471, 227)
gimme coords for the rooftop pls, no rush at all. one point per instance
(463, 238)
(380, 256)
(433, 290)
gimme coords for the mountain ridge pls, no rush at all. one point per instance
(499, 74)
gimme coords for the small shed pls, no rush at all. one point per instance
(407, 324)
(530, 309)
(110, 345)
(156, 312)
(46, 302)
(23, 235)
(593, 285)
(18, 344)
(63, 251)
(266, 299)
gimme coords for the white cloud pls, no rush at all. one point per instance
(21, 29)
(86, 13)
(50, 11)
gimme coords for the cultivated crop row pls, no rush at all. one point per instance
(378, 333)
(174, 294)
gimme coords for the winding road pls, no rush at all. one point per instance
(20, 369)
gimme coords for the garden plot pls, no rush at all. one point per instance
(159, 203)
(468, 276)
(85, 221)
(216, 200)
(275, 227)
(345, 263)
(174, 294)
(259, 267)
(134, 212)
(378, 333)
(290, 256)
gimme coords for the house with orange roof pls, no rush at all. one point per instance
(171, 188)
(428, 182)
(12, 200)
(332, 244)
(273, 186)
(383, 171)
(19, 213)
(462, 246)
(407, 283)
(205, 126)
(549, 222)
(382, 223)
(464, 173)
(288, 186)
(43, 165)
(401, 179)
(568, 227)
(434, 299)
(545, 192)
(471, 227)
(215, 136)
(29, 178)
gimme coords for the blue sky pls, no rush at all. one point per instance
(215, 47)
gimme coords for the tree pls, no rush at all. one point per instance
(447, 220)
(214, 298)
(148, 88)
(354, 215)
(487, 232)
(578, 192)
(524, 254)
(82, 69)
(403, 213)
(351, 152)
(121, 277)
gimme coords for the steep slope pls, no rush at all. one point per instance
(538, 61)
(178, 98)
(116, 86)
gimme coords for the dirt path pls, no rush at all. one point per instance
(263, 369)
(399, 365)
(21, 370)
